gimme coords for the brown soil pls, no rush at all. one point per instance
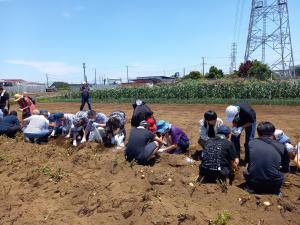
(59, 184)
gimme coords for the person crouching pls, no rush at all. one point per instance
(177, 141)
(220, 158)
(143, 145)
(36, 128)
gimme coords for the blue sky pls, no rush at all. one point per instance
(157, 37)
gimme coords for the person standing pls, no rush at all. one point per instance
(4, 99)
(243, 117)
(85, 96)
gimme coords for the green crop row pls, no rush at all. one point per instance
(203, 90)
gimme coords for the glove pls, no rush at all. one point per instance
(83, 140)
(94, 124)
(236, 131)
(75, 143)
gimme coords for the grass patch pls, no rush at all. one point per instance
(222, 219)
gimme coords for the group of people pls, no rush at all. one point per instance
(267, 157)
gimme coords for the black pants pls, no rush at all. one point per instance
(211, 176)
(265, 187)
(83, 101)
(11, 131)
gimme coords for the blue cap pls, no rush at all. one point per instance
(223, 130)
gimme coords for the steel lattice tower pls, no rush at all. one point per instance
(233, 58)
(269, 32)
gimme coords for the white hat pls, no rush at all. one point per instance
(231, 111)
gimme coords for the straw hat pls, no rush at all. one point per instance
(18, 97)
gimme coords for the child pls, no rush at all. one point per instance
(95, 126)
(142, 145)
(177, 140)
(79, 124)
(208, 127)
(115, 129)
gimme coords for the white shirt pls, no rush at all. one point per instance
(37, 124)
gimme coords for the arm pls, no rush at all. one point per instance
(203, 131)
(234, 164)
(170, 143)
(247, 125)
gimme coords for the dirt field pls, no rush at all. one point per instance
(59, 184)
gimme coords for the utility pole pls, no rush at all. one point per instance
(269, 32)
(184, 71)
(127, 74)
(84, 75)
(95, 76)
(47, 79)
(203, 66)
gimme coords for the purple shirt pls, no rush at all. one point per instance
(176, 134)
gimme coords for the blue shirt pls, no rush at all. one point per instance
(9, 121)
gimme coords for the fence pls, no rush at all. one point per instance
(26, 89)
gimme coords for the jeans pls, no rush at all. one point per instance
(85, 100)
(37, 137)
(250, 134)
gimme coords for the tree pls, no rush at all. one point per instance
(60, 85)
(194, 75)
(255, 69)
(214, 73)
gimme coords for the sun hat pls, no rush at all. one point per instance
(162, 126)
(18, 97)
(231, 111)
(36, 112)
(225, 130)
(280, 136)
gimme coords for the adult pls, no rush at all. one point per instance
(85, 96)
(220, 158)
(268, 159)
(56, 123)
(4, 99)
(140, 112)
(10, 125)
(36, 128)
(208, 127)
(143, 145)
(243, 117)
(177, 141)
(26, 105)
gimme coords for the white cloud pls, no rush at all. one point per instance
(55, 68)
(66, 14)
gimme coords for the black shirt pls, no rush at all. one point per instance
(246, 114)
(140, 113)
(218, 154)
(3, 99)
(266, 160)
(137, 142)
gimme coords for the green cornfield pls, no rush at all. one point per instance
(222, 89)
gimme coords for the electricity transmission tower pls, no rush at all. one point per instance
(233, 58)
(269, 32)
